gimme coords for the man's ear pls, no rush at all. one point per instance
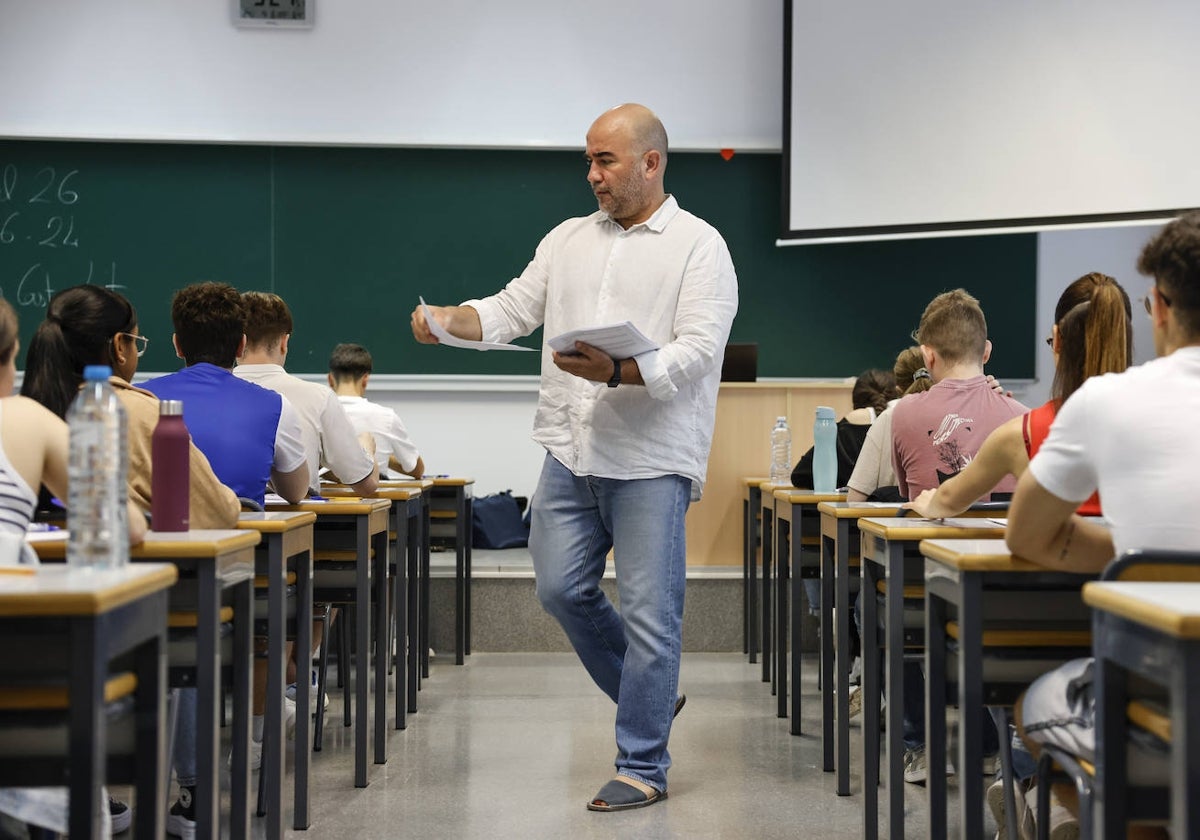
(175, 344)
(362, 383)
(653, 161)
(987, 350)
(928, 355)
(241, 348)
(283, 344)
(329, 379)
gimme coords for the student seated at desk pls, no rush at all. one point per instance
(873, 477)
(934, 436)
(92, 325)
(349, 372)
(329, 438)
(251, 435)
(1130, 437)
(873, 391)
(33, 453)
(1092, 335)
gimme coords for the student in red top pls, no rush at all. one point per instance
(1091, 336)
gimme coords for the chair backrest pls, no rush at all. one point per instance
(1151, 564)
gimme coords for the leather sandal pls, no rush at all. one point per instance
(620, 796)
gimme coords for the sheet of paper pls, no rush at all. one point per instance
(449, 340)
(621, 341)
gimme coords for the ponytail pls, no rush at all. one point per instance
(1095, 334)
(50, 376)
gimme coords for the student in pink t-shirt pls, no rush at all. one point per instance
(937, 433)
(934, 436)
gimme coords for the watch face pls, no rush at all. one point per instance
(286, 12)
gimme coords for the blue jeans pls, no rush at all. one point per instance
(633, 655)
(185, 738)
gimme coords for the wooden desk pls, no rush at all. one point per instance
(1020, 594)
(408, 517)
(287, 542)
(751, 509)
(451, 497)
(217, 561)
(795, 527)
(889, 551)
(75, 624)
(364, 523)
(1151, 630)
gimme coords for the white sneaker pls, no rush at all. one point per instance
(290, 693)
(1063, 824)
(856, 671)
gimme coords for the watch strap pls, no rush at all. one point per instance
(616, 377)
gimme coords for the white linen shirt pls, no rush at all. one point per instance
(673, 278)
(329, 438)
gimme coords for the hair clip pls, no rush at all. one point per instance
(921, 373)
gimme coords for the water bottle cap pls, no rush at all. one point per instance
(170, 408)
(781, 419)
(824, 412)
(96, 373)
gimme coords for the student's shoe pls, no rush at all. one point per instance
(855, 701)
(915, 767)
(856, 671)
(181, 819)
(995, 801)
(290, 693)
(121, 815)
(1063, 824)
(679, 704)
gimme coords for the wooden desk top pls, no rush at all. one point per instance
(58, 590)
(805, 496)
(274, 521)
(857, 510)
(754, 481)
(911, 530)
(449, 480)
(167, 545)
(345, 506)
(389, 491)
(1173, 608)
(977, 555)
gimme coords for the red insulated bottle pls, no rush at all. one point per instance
(170, 480)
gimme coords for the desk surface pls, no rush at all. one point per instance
(804, 496)
(909, 529)
(857, 510)
(1173, 608)
(60, 590)
(274, 521)
(175, 545)
(347, 506)
(755, 481)
(977, 555)
(391, 492)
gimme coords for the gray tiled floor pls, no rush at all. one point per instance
(513, 745)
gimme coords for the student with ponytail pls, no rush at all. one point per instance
(1092, 335)
(92, 325)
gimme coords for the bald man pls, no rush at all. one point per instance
(626, 440)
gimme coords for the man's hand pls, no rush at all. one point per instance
(461, 321)
(995, 385)
(587, 362)
(924, 505)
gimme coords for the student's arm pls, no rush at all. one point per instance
(293, 484)
(416, 472)
(342, 450)
(1044, 529)
(289, 470)
(1002, 453)
(460, 321)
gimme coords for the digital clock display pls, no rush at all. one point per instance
(274, 12)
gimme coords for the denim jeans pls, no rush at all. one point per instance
(184, 758)
(633, 655)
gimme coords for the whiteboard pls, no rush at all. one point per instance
(951, 116)
(519, 73)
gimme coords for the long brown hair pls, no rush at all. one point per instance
(910, 373)
(1095, 332)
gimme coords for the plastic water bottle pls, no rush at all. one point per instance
(824, 451)
(170, 480)
(98, 528)
(781, 452)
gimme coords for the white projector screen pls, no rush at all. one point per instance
(947, 117)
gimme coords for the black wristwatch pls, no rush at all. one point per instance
(616, 377)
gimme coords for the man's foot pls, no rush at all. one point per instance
(1063, 824)
(290, 693)
(680, 701)
(181, 819)
(915, 769)
(623, 793)
(120, 814)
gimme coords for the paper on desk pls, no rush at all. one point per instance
(449, 340)
(621, 341)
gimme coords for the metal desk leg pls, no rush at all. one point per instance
(150, 666)
(842, 660)
(243, 630)
(870, 691)
(935, 712)
(362, 668)
(768, 558)
(423, 613)
(460, 581)
(400, 615)
(1185, 755)
(894, 662)
(89, 742)
(747, 560)
(752, 586)
(379, 545)
(469, 507)
(797, 622)
(301, 817)
(783, 533)
(416, 543)
(207, 707)
(273, 737)
(826, 677)
(970, 706)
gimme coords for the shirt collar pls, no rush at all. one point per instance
(657, 222)
(263, 368)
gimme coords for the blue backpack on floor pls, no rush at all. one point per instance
(496, 522)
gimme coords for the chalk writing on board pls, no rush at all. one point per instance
(37, 221)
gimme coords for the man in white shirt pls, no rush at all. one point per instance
(350, 367)
(627, 440)
(329, 438)
(1129, 436)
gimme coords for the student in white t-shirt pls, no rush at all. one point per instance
(349, 371)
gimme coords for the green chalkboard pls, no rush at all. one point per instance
(351, 236)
